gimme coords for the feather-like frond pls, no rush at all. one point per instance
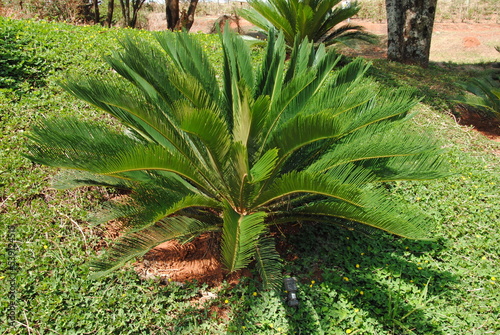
(268, 263)
(383, 215)
(314, 183)
(240, 233)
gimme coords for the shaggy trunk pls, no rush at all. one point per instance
(409, 30)
(109, 16)
(177, 20)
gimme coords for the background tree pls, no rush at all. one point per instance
(409, 30)
(109, 14)
(177, 19)
(130, 9)
(97, 18)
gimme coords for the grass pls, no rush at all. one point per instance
(349, 282)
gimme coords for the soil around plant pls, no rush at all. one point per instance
(197, 260)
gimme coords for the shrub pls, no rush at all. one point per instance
(17, 63)
(316, 20)
(269, 146)
(486, 97)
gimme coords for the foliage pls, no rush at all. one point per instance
(268, 148)
(317, 20)
(17, 62)
(54, 237)
(486, 97)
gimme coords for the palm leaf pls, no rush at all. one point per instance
(268, 263)
(381, 215)
(264, 166)
(345, 188)
(240, 233)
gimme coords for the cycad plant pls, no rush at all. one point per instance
(274, 145)
(486, 97)
(321, 21)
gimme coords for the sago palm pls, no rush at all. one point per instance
(281, 143)
(485, 96)
(321, 21)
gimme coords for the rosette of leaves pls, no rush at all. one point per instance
(485, 96)
(320, 21)
(272, 145)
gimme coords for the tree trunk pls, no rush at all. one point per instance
(189, 19)
(97, 15)
(409, 30)
(136, 6)
(172, 11)
(125, 12)
(109, 15)
(176, 21)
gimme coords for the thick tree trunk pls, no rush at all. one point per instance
(172, 11)
(109, 15)
(409, 30)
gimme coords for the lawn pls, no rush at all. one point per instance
(350, 282)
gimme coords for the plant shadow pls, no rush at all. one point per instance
(371, 282)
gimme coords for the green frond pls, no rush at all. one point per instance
(303, 130)
(127, 106)
(138, 243)
(383, 215)
(68, 179)
(372, 143)
(314, 20)
(210, 127)
(74, 144)
(146, 67)
(197, 65)
(237, 71)
(343, 189)
(240, 233)
(237, 172)
(269, 78)
(242, 114)
(424, 166)
(147, 158)
(268, 263)
(264, 166)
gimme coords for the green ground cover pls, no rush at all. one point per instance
(349, 282)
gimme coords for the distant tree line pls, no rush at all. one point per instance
(410, 22)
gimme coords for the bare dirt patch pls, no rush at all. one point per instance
(451, 42)
(489, 127)
(459, 42)
(172, 261)
(197, 260)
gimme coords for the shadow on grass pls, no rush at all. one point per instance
(438, 85)
(348, 281)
